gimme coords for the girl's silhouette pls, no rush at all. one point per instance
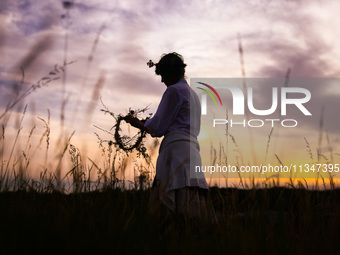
(178, 117)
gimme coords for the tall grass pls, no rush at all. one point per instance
(273, 220)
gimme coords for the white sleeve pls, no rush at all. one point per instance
(166, 113)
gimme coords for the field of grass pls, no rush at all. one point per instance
(256, 221)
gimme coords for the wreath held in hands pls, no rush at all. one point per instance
(124, 142)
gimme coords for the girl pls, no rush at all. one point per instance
(177, 119)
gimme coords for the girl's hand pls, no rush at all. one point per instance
(135, 122)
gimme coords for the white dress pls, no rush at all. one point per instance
(178, 119)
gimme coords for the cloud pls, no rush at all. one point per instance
(294, 39)
(30, 17)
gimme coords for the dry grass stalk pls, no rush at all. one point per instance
(309, 150)
(268, 143)
(241, 53)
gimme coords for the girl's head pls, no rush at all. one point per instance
(171, 67)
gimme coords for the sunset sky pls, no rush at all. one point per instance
(110, 42)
